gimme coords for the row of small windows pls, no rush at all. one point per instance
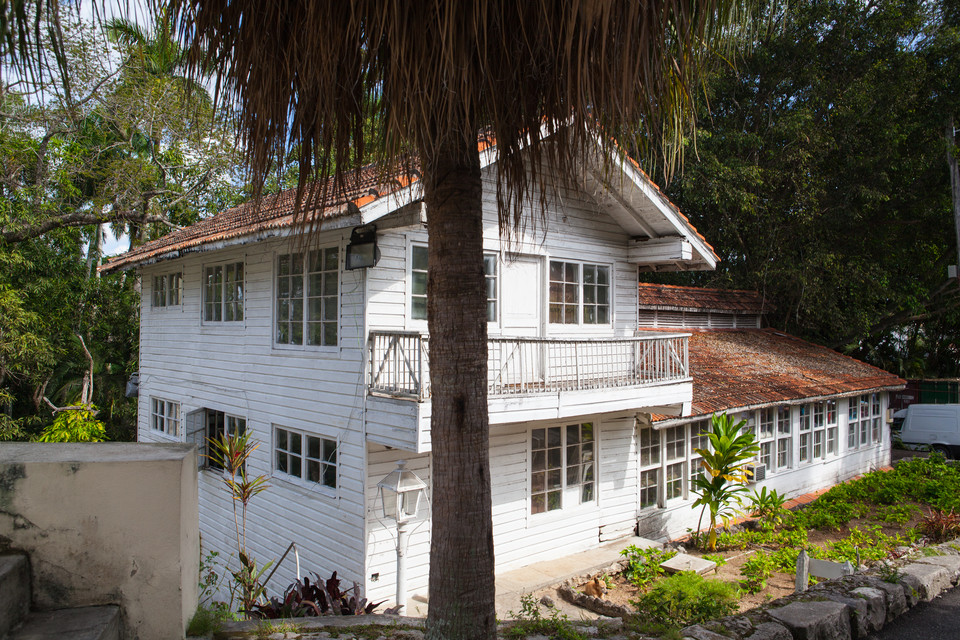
(296, 455)
(307, 297)
(669, 463)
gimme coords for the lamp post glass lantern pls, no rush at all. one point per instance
(400, 494)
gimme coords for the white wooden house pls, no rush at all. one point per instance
(819, 417)
(245, 327)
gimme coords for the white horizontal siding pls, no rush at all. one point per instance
(235, 368)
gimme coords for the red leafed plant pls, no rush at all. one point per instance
(306, 598)
(940, 525)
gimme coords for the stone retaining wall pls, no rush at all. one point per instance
(848, 608)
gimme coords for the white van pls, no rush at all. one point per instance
(936, 425)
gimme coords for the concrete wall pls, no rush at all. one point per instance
(106, 523)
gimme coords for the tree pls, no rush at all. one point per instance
(84, 143)
(725, 463)
(429, 76)
(820, 177)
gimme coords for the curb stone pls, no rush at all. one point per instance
(924, 581)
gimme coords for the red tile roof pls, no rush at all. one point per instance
(733, 368)
(665, 296)
(275, 212)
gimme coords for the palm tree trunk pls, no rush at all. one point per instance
(461, 550)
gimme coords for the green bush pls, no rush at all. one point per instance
(755, 572)
(643, 565)
(686, 598)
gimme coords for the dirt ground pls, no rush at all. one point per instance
(778, 585)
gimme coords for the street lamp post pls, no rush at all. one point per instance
(400, 493)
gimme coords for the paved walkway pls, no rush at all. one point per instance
(511, 585)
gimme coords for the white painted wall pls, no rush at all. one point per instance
(236, 368)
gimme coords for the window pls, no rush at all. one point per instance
(819, 429)
(491, 284)
(875, 421)
(784, 438)
(853, 406)
(766, 436)
(220, 424)
(562, 466)
(305, 457)
(418, 283)
(833, 431)
(568, 280)
(167, 290)
(223, 293)
(165, 417)
(698, 440)
(307, 297)
(650, 467)
(864, 420)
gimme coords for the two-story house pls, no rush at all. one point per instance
(246, 326)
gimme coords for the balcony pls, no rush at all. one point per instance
(531, 378)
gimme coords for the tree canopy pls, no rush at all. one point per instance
(820, 175)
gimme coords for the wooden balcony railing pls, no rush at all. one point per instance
(399, 363)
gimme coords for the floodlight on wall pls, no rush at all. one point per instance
(362, 252)
(400, 494)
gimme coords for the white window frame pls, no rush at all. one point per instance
(306, 298)
(767, 436)
(172, 292)
(571, 493)
(784, 431)
(223, 303)
(421, 323)
(651, 456)
(232, 424)
(160, 418)
(580, 285)
(321, 460)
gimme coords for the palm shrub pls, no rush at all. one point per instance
(725, 462)
(230, 451)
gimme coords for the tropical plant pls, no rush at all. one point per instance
(687, 598)
(940, 525)
(76, 423)
(643, 565)
(725, 463)
(230, 451)
(768, 506)
(305, 598)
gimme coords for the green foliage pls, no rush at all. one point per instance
(716, 558)
(643, 565)
(209, 619)
(230, 451)
(75, 425)
(768, 506)
(725, 464)
(940, 525)
(755, 571)
(687, 598)
(529, 621)
(820, 176)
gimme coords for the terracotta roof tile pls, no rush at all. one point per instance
(665, 296)
(275, 212)
(734, 368)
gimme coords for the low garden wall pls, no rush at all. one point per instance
(110, 523)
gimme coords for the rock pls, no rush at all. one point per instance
(770, 631)
(876, 606)
(895, 596)
(547, 601)
(684, 562)
(824, 620)
(859, 623)
(696, 632)
(924, 581)
(608, 623)
(950, 563)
